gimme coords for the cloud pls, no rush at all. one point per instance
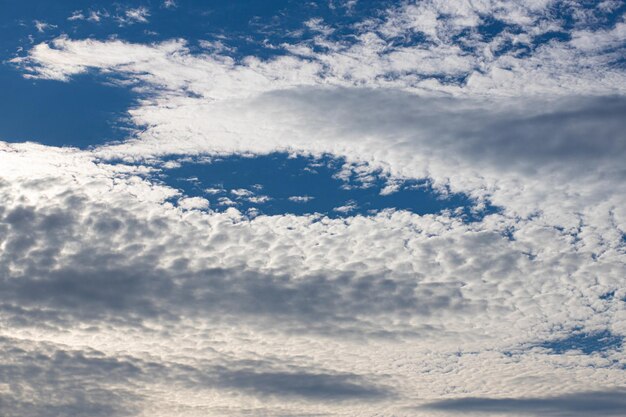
(191, 203)
(95, 248)
(481, 146)
(169, 4)
(241, 192)
(76, 15)
(472, 146)
(41, 380)
(455, 57)
(94, 255)
(301, 198)
(97, 15)
(136, 15)
(351, 206)
(307, 385)
(187, 311)
(598, 403)
(105, 282)
(51, 379)
(43, 26)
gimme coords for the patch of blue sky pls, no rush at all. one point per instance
(587, 343)
(584, 15)
(257, 28)
(247, 23)
(546, 37)
(80, 113)
(588, 14)
(608, 295)
(249, 27)
(487, 31)
(450, 79)
(490, 27)
(410, 39)
(279, 183)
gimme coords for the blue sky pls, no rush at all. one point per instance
(279, 183)
(338, 207)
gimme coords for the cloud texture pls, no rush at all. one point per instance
(121, 296)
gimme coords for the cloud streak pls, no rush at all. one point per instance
(600, 403)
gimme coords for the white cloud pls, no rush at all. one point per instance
(600, 40)
(170, 4)
(171, 165)
(439, 302)
(301, 198)
(241, 192)
(43, 26)
(225, 201)
(262, 107)
(97, 15)
(346, 208)
(553, 68)
(214, 190)
(123, 15)
(193, 203)
(76, 15)
(202, 312)
(136, 15)
(317, 25)
(390, 188)
(259, 199)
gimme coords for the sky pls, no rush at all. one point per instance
(320, 208)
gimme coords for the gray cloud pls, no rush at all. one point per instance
(46, 379)
(42, 380)
(312, 386)
(103, 281)
(262, 378)
(525, 134)
(598, 403)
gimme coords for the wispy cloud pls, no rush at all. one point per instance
(601, 403)
(136, 15)
(43, 26)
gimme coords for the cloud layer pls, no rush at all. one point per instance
(120, 295)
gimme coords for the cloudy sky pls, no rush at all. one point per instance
(312, 208)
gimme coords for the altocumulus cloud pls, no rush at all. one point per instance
(120, 295)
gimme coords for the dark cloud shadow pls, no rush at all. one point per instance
(583, 404)
(307, 385)
(44, 381)
(572, 134)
